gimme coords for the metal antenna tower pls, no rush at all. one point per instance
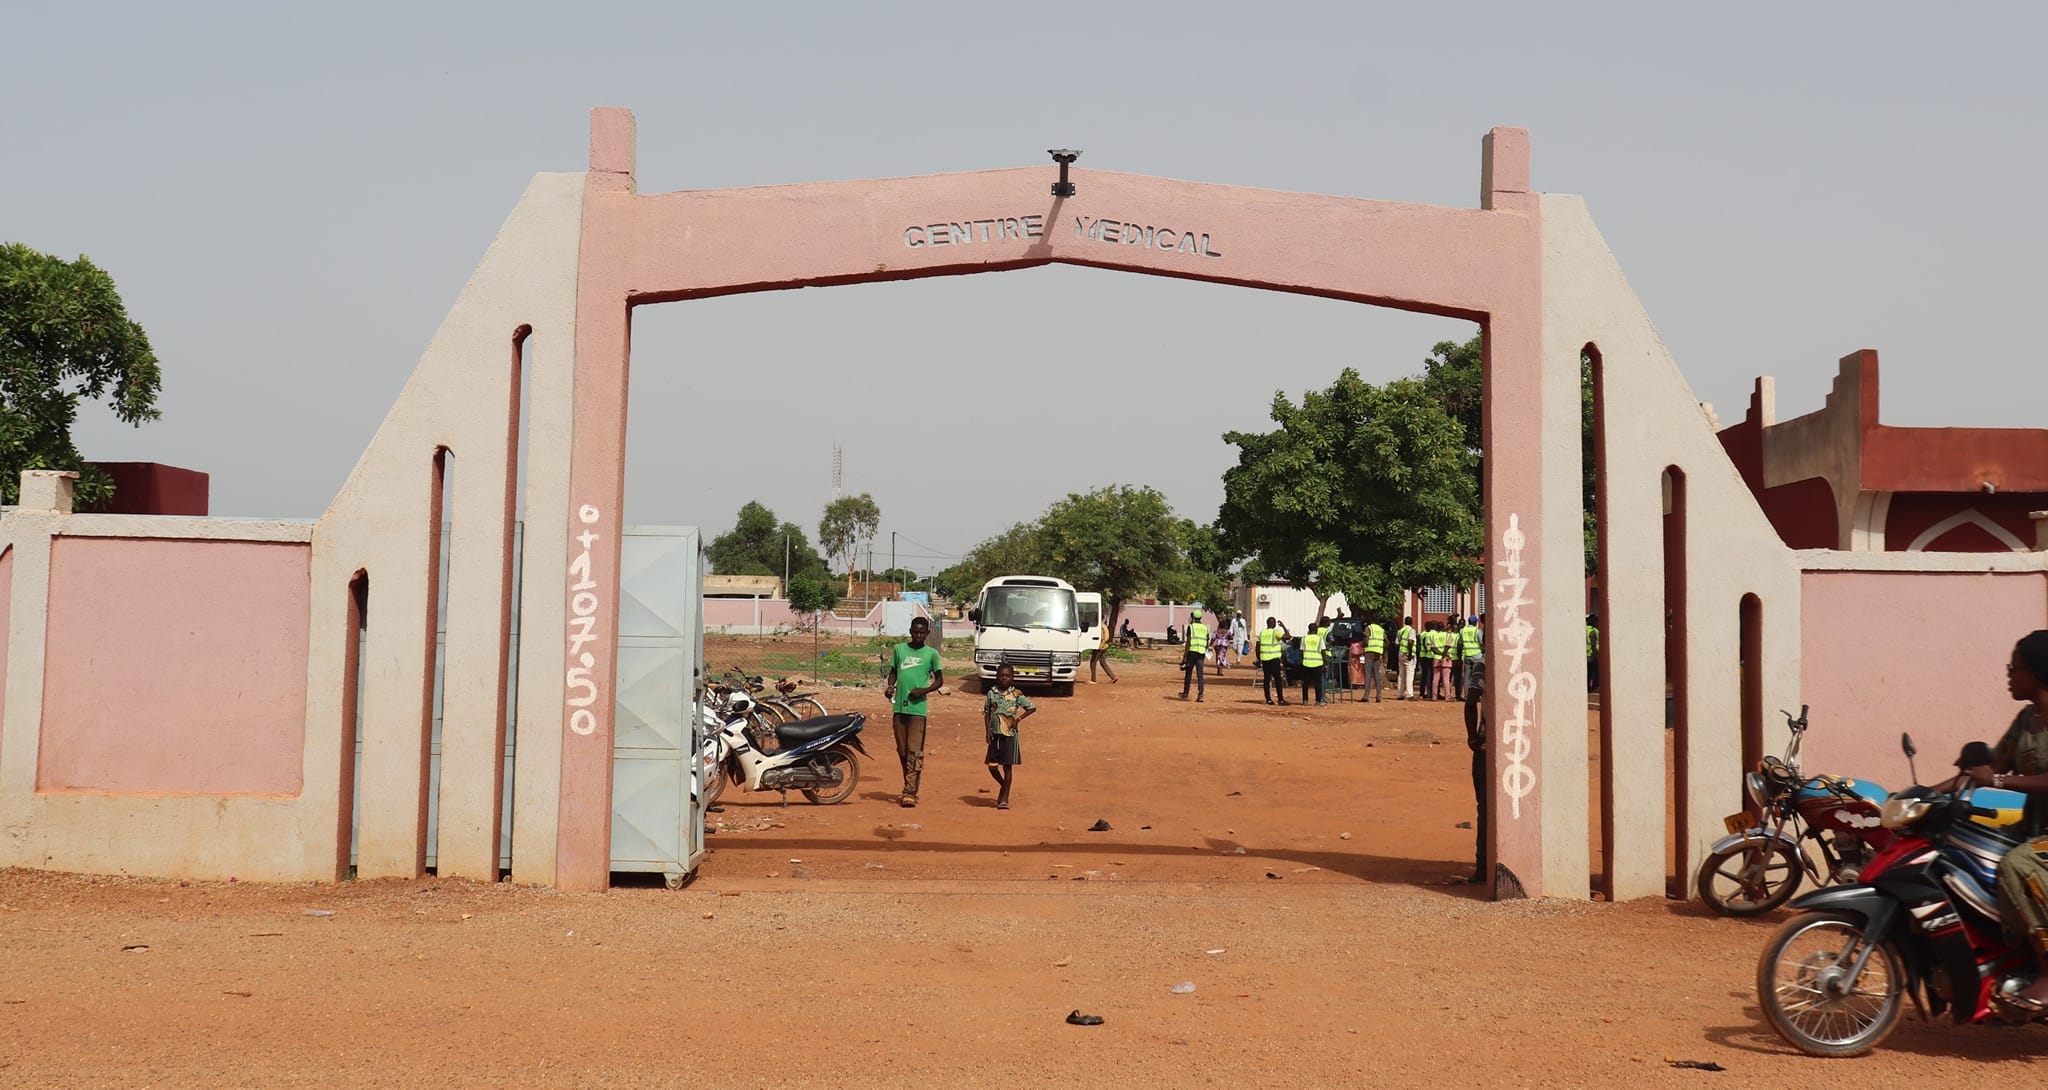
(838, 465)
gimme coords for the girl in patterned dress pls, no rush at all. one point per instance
(1004, 708)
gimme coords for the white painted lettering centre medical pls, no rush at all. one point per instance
(1016, 228)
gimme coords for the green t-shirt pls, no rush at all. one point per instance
(914, 667)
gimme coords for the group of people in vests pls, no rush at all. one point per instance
(1346, 652)
(1443, 654)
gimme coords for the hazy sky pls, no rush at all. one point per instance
(290, 199)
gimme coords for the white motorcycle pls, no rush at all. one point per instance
(711, 778)
(815, 756)
(717, 706)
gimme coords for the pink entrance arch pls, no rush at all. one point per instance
(1482, 264)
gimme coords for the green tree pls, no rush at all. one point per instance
(1018, 550)
(1363, 489)
(811, 594)
(64, 336)
(1119, 541)
(849, 523)
(1452, 373)
(1201, 568)
(756, 545)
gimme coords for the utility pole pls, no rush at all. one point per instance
(785, 563)
(892, 552)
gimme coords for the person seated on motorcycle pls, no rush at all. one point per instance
(2019, 762)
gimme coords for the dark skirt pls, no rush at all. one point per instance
(1002, 750)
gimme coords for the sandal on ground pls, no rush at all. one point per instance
(1002, 804)
(910, 802)
(1079, 1019)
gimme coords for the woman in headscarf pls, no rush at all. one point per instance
(2020, 763)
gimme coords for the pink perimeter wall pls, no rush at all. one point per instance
(1885, 652)
(175, 667)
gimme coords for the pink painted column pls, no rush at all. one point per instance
(597, 489)
(1513, 439)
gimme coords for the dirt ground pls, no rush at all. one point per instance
(1298, 866)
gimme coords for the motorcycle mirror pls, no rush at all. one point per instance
(1906, 744)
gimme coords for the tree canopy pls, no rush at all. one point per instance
(849, 523)
(1015, 551)
(755, 546)
(1118, 541)
(1200, 571)
(64, 337)
(812, 593)
(1121, 541)
(1364, 489)
(1452, 375)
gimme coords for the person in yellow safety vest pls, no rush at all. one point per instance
(1592, 652)
(1312, 663)
(1406, 645)
(1272, 657)
(1374, 647)
(1192, 659)
(1446, 654)
(1426, 650)
(1471, 645)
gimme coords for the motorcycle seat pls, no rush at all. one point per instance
(809, 730)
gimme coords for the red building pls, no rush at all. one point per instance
(151, 488)
(1837, 478)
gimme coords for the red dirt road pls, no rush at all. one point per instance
(867, 945)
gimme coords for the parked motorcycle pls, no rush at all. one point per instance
(1760, 863)
(712, 716)
(815, 756)
(1924, 922)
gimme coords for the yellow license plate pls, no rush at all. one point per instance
(1029, 671)
(1740, 823)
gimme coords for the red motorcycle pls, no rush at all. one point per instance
(1923, 923)
(1760, 863)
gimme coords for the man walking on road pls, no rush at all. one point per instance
(1272, 659)
(913, 672)
(1191, 660)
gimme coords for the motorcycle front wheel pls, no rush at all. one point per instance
(849, 770)
(1750, 878)
(714, 781)
(1802, 983)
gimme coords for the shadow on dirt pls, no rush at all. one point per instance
(1438, 876)
(1937, 1040)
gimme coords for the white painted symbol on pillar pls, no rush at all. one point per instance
(1515, 635)
(580, 690)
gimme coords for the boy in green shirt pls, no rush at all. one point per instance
(913, 672)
